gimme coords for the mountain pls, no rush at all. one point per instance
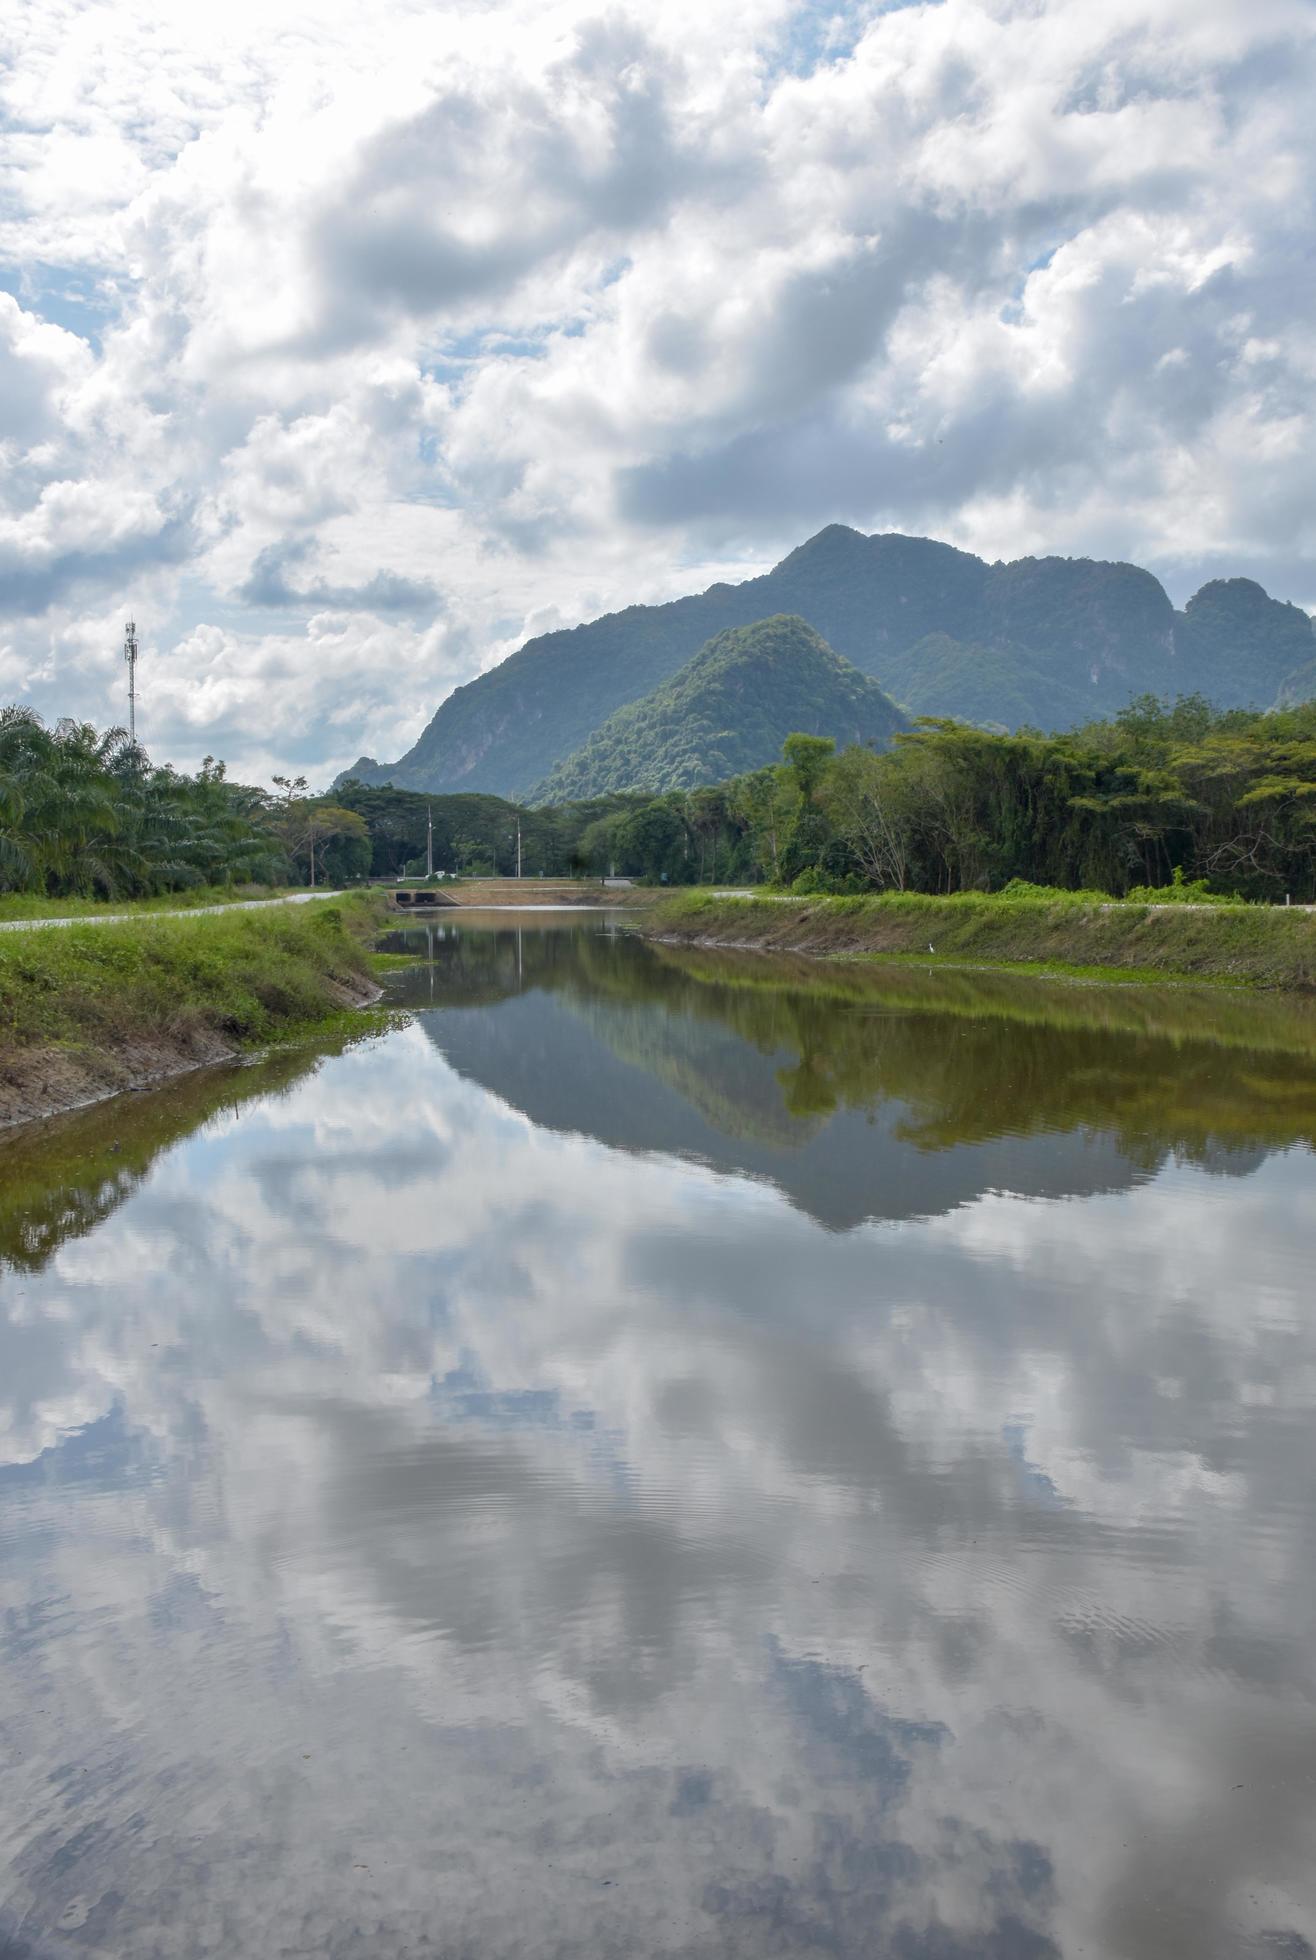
(1064, 639)
(1240, 645)
(726, 711)
(1298, 686)
(998, 686)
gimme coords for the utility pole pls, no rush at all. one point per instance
(429, 840)
(130, 655)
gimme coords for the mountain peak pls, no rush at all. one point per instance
(1046, 641)
(728, 710)
(834, 545)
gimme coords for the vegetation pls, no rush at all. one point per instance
(1046, 642)
(1179, 803)
(244, 975)
(17, 906)
(728, 711)
(83, 813)
(92, 1008)
(1239, 943)
(475, 836)
(1165, 804)
(318, 833)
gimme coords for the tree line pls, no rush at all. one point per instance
(1161, 796)
(1178, 796)
(86, 813)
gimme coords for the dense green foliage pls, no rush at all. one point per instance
(82, 813)
(1155, 797)
(475, 836)
(87, 815)
(728, 711)
(1045, 642)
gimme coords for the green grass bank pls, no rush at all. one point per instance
(17, 906)
(1248, 945)
(87, 1011)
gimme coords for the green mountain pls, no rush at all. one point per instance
(1299, 686)
(726, 711)
(1239, 645)
(996, 686)
(1048, 641)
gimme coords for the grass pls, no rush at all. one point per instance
(1248, 945)
(249, 978)
(24, 905)
(1221, 1014)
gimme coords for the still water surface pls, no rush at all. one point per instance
(671, 1455)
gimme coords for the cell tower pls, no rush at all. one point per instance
(130, 655)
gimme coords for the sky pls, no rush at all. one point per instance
(348, 347)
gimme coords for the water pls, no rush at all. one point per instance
(668, 1454)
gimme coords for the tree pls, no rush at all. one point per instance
(706, 813)
(807, 756)
(762, 805)
(305, 824)
(86, 812)
(652, 841)
(873, 803)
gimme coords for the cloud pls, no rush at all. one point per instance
(386, 592)
(549, 309)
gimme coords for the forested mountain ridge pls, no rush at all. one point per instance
(727, 711)
(1046, 641)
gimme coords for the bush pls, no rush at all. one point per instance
(816, 882)
(1181, 891)
(1020, 891)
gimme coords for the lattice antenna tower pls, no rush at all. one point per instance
(130, 655)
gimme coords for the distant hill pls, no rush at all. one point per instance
(1048, 641)
(1239, 644)
(726, 711)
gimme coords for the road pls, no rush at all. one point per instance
(183, 912)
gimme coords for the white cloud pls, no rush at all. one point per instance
(466, 320)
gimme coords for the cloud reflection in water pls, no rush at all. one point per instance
(425, 1524)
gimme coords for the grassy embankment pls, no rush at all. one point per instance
(1249, 945)
(23, 905)
(85, 1011)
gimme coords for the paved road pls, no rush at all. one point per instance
(184, 912)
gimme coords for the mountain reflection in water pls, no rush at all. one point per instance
(671, 1454)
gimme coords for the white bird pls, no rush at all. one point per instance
(931, 947)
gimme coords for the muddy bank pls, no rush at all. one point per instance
(1246, 945)
(48, 1081)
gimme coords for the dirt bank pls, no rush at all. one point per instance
(88, 1012)
(45, 1081)
(1251, 945)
